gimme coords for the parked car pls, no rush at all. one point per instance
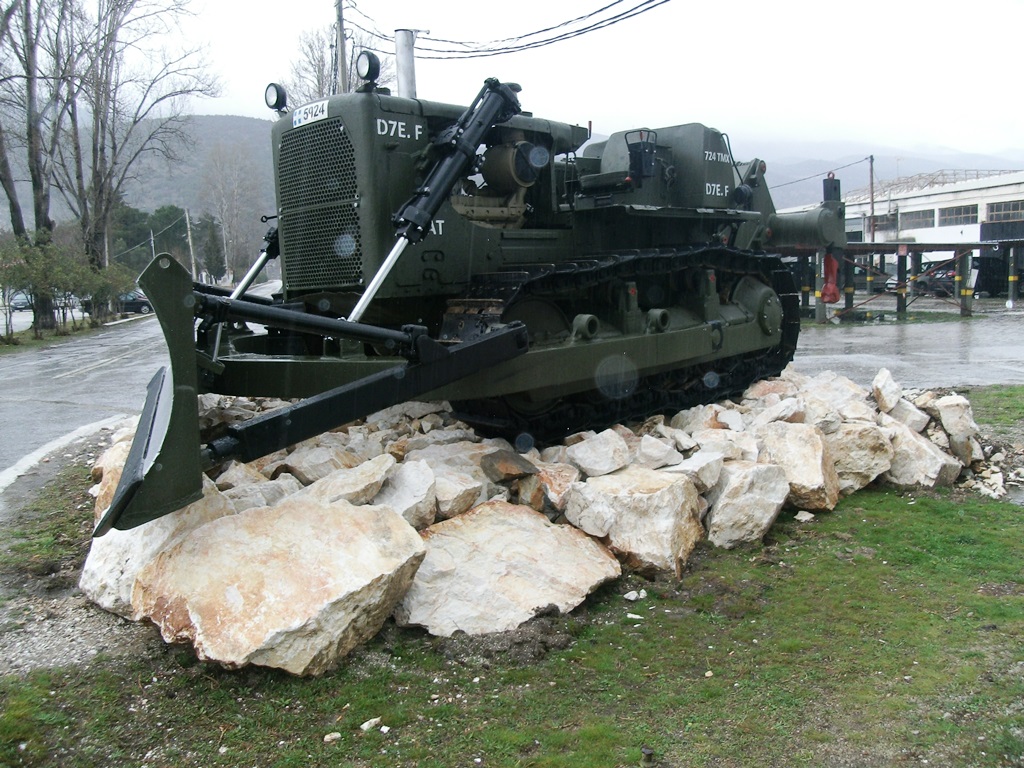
(133, 301)
(20, 302)
(939, 282)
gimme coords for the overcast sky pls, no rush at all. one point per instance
(897, 73)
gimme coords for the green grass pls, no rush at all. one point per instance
(888, 632)
(55, 528)
(890, 627)
(23, 340)
(999, 407)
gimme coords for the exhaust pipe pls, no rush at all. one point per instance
(405, 65)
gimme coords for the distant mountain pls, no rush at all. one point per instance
(181, 183)
(791, 163)
(795, 169)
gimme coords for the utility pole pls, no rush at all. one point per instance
(191, 252)
(871, 183)
(342, 70)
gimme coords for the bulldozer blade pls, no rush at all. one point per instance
(163, 471)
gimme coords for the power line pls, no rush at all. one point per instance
(470, 50)
(148, 240)
(819, 175)
(642, 7)
(528, 35)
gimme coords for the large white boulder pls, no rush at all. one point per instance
(410, 491)
(917, 461)
(548, 487)
(649, 518)
(957, 419)
(263, 494)
(885, 390)
(711, 416)
(294, 587)
(745, 502)
(492, 568)
(862, 452)
(356, 485)
(600, 454)
(116, 558)
(703, 468)
(729, 443)
(801, 450)
(311, 461)
(909, 414)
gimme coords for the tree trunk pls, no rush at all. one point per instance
(7, 182)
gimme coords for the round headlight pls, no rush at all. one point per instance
(276, 97)
(367, 66)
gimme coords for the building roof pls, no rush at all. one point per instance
(890, 188)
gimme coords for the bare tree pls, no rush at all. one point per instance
(125, 102)
(231, 192)
(34, 60)
(313, 73)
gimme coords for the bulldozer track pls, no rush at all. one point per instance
(687, 384)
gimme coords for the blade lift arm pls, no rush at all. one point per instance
(496, 103)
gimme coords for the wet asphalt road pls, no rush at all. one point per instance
(985, 349)
(47, 393)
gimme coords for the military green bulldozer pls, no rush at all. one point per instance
(541, 281)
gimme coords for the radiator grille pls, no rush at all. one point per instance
(320, 233)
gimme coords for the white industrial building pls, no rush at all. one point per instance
(939, 207)
(945, 208)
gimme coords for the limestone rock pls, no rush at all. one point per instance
(601, 454)
(115, 559)
(781, 387)
(831, 399)
(107, 473)
(745, 502)
(549, 486)
(649, 518)
(654, 453)
(457, 491)
(957, 419)
(909, 414)
(356, 485)
(703, 468)
(124, 430)
(397, 414)
(262, 494)
(801, 450)
(732, 445)
(237, 474)
(502, 465)
(861, 452)
(791, 409)
(410, 491)
(492, 568)
(311, 462)
(680, 439)
(886, 391)
(916, 460)
(711, 416)
(437, 437)
(555, 454)
(293, 587)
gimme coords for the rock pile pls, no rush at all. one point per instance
(292, 560)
